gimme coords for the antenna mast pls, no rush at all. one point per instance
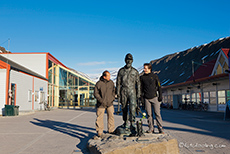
(8, 44)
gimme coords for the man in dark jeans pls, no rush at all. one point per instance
(152, 94)
(104, 92)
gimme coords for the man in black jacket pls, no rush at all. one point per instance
(104, 92)
(152, 94)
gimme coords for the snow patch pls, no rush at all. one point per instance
(171, 83)
(217, 52)
(211, 54)
(221, 38)
(165, 82)
(204, 57)
(182, 74)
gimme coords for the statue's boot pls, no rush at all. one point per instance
(125, 125)
(133, 129)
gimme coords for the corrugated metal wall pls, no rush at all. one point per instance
(2, 89)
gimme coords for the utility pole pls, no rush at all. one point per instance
(193, 70)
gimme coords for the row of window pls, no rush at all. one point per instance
(65, 78)
(69, 88)
(211, 97)
(39, 96)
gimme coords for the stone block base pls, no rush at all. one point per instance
(148, 144)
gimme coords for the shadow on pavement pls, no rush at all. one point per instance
(80, 132)
(92, 109)
(204, 123)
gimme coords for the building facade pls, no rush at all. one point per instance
(209, 84)
(19, 86)
(62, 87)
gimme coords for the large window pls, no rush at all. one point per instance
(198, 96)
(212, 97)
(164, 99)
(74, 90)
(194, 97)
(71, 80)
(50, 72)
(206, 97)
(83, 82)
(221, 97)
(170, 99)
(185, 98)
(62, 77)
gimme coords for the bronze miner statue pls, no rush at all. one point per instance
(128, 92)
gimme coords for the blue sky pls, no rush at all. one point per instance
(91, 36)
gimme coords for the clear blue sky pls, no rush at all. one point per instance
(91, 36)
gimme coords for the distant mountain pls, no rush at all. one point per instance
(113, 74)
(177, 67)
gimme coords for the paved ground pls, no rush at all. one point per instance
(66, 131)
(198, 132)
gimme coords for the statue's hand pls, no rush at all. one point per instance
(139, 102)
(138, 110)
(142, 103)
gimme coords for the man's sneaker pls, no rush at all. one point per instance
(112, 132)
(132, 135)
(149, 131)
(161, 131)
(125, 125)
(96, 137)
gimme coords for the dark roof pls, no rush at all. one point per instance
(177, 68)
(18, 67)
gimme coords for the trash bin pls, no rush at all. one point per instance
(9, 110)
(16, 110)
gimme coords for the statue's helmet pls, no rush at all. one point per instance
(128, 57)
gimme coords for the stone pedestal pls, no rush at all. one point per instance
(147, 144)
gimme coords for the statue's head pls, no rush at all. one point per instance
(128, 60)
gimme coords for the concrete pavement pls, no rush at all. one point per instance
(61, 131)
(67, 131)
(198, 132)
